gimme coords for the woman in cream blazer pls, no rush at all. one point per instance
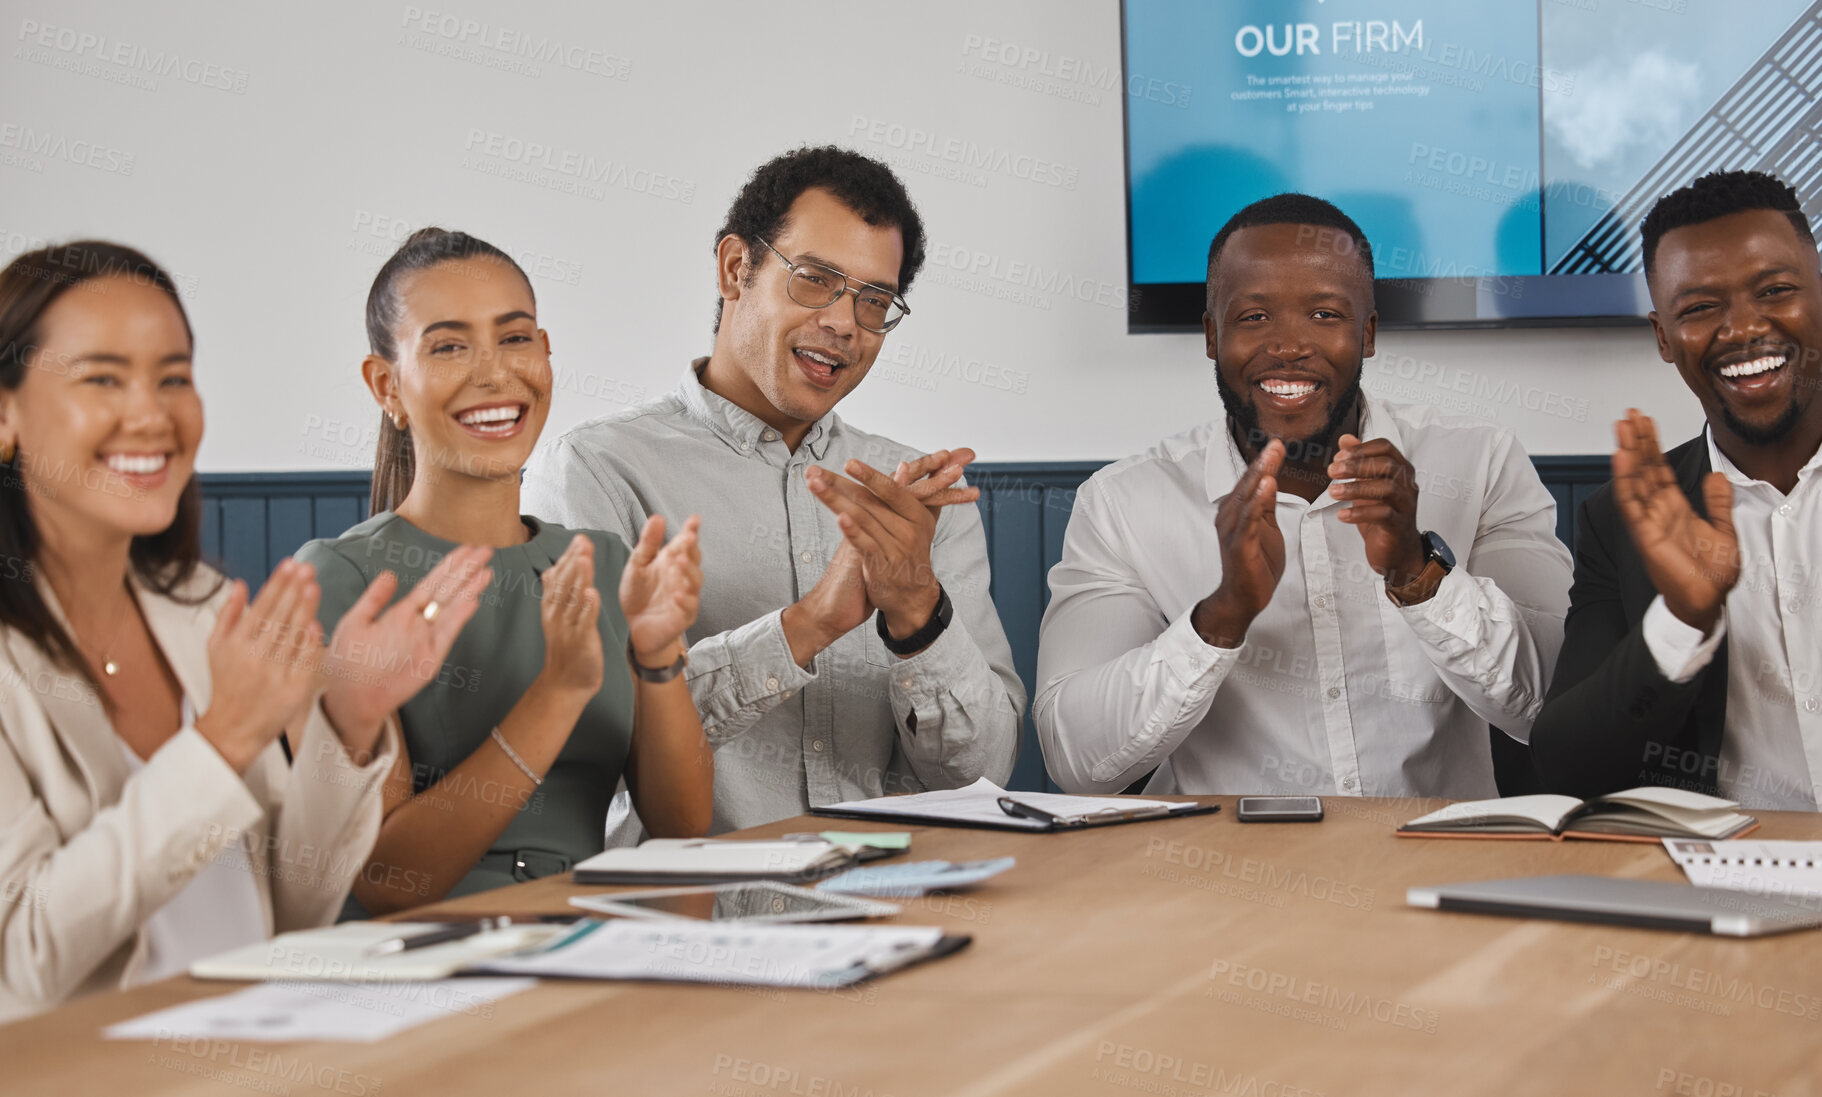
(86, 853)
(149, 814)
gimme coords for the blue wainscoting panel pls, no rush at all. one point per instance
(251, 521)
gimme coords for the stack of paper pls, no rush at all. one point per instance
(357, 1012)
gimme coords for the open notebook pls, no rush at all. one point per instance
(978, 805)
(1635, 815)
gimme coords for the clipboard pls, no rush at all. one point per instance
(980, 806)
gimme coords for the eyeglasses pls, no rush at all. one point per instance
(815, 286)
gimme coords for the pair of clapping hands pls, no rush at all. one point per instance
(1380, 486)
(268, 661)
(883, 562)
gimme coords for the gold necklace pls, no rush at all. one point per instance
(108, 666)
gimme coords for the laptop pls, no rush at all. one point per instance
(1651, 904)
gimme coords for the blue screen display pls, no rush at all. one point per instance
(1492, 140)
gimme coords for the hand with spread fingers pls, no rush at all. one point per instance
(1380, 487)
(661, 590)
(380, 656)
(889, 522)
(1693, 562)
(263, 662)
(1252, 552)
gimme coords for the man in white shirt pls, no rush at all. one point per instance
(1266, 603)
(1693, 650)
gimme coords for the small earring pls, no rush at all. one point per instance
(398, 420)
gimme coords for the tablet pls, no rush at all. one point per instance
(1652, 904)
(756, 901)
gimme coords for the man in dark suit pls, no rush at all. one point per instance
(1693, 644)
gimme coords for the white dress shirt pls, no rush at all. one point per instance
(216, 911)
(1771, 746)
(1335, 690)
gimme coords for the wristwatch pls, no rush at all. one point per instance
(1438, 561)
(923, 637)
(661, 674)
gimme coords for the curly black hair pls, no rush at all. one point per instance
(863, 184)
(1716, 195)
(1290, 209)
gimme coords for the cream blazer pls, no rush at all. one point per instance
(89, 851)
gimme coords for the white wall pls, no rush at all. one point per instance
(273, 155)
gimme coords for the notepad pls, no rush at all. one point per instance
(1760, 868)
(339, 953)
(704, 861)
(977, 805)
(1637, 815)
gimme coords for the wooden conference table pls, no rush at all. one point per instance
(1195, 956)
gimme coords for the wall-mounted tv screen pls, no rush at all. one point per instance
(1498, 154)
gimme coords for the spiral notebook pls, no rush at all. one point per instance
(1760, 868)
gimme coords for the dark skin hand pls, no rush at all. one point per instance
(1692, 562)
(1381, 487)
(1252, 553)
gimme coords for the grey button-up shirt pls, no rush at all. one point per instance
(861, 721)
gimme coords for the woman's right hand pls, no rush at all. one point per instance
(570, 612)
(380, 657)
(262, 663)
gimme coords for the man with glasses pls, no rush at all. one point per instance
(846, 645)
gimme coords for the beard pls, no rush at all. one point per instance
(1754, 435)
(1243, 413)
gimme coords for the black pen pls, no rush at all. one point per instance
(1026, 811)
(436, 936)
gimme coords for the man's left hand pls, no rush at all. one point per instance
(1381, 487)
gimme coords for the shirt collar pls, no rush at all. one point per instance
(1722, 464)
(1226, 465)
(740, 429)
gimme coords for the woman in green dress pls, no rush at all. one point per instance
(568, 676)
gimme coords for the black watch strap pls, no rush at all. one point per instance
(657, 675)
(923, 637)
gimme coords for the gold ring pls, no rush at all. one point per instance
(431, 609)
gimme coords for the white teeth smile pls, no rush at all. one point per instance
(490, 419)
(1757, 365)
(136, 466)
(1288, 388)
(818, 358)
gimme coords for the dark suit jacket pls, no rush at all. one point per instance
(1611, 720)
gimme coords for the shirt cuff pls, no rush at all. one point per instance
(936, 668)
(738, 675)
(1679, 649)
(1192, 660)
(1446, 618)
